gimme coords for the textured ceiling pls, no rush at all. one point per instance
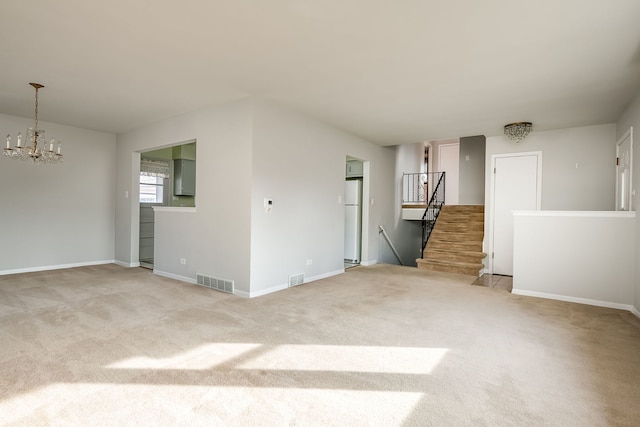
(391, 72)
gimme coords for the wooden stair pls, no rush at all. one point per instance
(455, 245)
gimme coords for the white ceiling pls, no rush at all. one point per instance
(390, 71)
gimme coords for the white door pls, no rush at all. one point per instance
(624, 168)
(449, 162)
(516, 186)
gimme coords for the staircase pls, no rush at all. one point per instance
(455, 244)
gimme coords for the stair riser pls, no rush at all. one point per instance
(450, 269)
(456, 226)
(455, 246)
(453, 256)
(475, 236)
(463, 218)
(453, 209)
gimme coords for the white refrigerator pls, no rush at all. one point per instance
(352, 220)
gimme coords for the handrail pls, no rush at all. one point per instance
(436, 196)
(433, 210)
(386, 236)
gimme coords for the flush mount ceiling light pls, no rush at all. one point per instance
(36, 147)
(518, 131)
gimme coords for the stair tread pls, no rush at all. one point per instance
(455, 244)
(457, 252)
(447, 235)
(447, 262)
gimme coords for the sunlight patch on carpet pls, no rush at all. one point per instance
(299, 357)
(132, 404)
(203, 357)
(338, 358)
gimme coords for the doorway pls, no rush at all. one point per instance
(449, 162)
(515, 185)
(356, 212)
(624, 170)
(166, 178)
(154, 191)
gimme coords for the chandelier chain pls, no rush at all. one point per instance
(36, 128)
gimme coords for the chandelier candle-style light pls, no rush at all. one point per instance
(35, 147)
(518, 131)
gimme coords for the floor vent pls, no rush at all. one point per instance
(216, 283)
(296, 279)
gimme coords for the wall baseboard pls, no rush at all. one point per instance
(324, 276)
(266, 291)
(284, 286)
(368, 263)
(635, 312)
(586, 301)
(241, 294)
(175, 276)
(126, 264)
(56, 267)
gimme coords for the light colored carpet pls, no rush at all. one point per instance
(379, 346)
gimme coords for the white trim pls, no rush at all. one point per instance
(366, 209)
(586, 301)
(629, 134)
(175, 276)
(635, 312)
(323, 276)
(589, 214)
(268, 290)
(174, 209)
(368, 263)
(282, 287)
(492, 201)
(126, 264)
(55, 267)
(241, 294)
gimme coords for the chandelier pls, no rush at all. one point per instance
(36, 147)
(518, 131)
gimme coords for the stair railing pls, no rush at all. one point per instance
(417, 187)
(433, 210)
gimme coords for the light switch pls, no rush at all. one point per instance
(268, 204)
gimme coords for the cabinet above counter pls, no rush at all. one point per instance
(184, 178)
(355, 169)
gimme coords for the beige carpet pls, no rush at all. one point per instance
(377, 346)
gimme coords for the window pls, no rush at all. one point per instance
(151, 189)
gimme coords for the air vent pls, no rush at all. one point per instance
(217, 283)
(296, 279)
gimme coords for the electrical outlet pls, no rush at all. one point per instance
(309, 261)
(183, 261)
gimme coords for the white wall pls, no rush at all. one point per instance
(58, 215)
(583, 257)
(214, 239)
(631, 117)
(249, 150)
(590, 186)
(300, 164)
